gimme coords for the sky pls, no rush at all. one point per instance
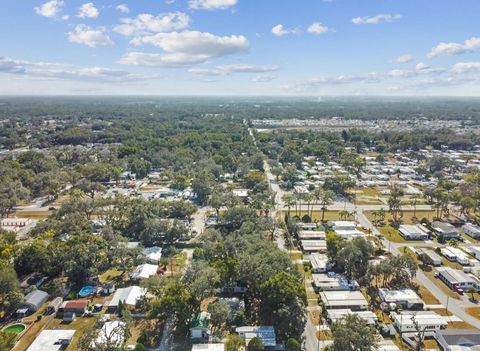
(240, 47)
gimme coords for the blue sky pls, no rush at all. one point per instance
(240, 47)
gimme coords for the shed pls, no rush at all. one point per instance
(200, 327)
(54, 305)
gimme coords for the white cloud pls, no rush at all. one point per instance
(91, 37)
(211, 4)
(88, 10)
(60, 71)
(263, 78)
(317, 28)
(464, 67)
(123, 8)
(422, 66)
(185, 48)
(146, 24)
(404, 59)
(50, 9)
(376, 19)
(279, 30)
(224, 70)
(470, 45)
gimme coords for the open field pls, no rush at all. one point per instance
(392, 234)
(316, 215)
(407, 215)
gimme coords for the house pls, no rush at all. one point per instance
(75, 307)
(153, 254)
(54, 305)
(337, 315)
(458, 339)
(52, 340)
(474, 251)
(208, 347)
(129, 297)
(319, 262)
(407, 298)
(413, 232)
(432, 256)
(426, 320)
(264, 333)
(200, 327)
(353, 300)
(112, 332)
(471, 230)
(445, 230)
(342, 225)
(454, 278)
(333, 282)
(144, 271)
(311, 235)
(454, 254)
(32, 302)
(314, 245)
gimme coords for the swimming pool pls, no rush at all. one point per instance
(87, 291)
(15, 329)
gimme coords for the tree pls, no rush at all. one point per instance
(201, 280)
(394, 203)
(174, 302)
(289, 201)
(234, 343)
(334, 244)
(353, 334)
(10, 293)
(219, 312)
(11, 192)
(472, 292)
(255, 344)
(325, 198)
(202, 186)
(292, 345)
(7, 341)
(353, 258)
(140, 167)
(283, 303)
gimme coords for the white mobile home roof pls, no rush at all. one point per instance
(368, 316)
(144, 271)
(423, 318)
(208, 347)
(455, 276)
(349, 233)
(311, 235)
(50, 340)
(343, 225)
(314, 245)
(129, 296)
(338, 299)
(400, 295)
(318, 261)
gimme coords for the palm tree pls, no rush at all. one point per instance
(472, 292)
(289, 201)
(326, 198)
(343, 214)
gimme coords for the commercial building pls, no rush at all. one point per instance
(413, 232)
(455, 278)
(406, 322)
(407, 298)
(353, 300)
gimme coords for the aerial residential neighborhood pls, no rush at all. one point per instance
(239, 175)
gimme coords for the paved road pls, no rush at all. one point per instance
(198, 222)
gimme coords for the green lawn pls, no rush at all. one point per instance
(392, 234)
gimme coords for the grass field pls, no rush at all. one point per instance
(427, 296)
(392, 234)
(407, 215)
(474, 312)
